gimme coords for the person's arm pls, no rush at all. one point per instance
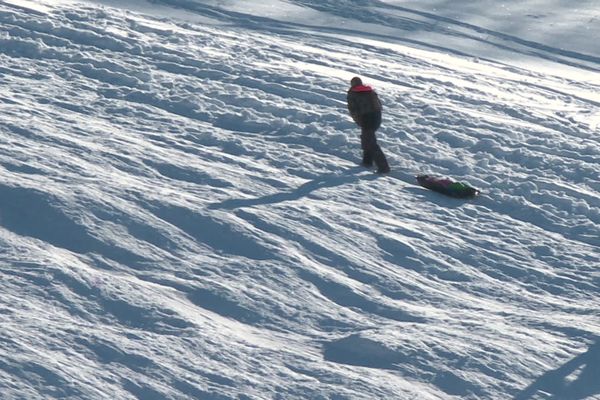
(377, 102)
(352, 107)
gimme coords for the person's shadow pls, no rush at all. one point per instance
(347, 176)
(578, 379)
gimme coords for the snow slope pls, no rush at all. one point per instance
(182, 215)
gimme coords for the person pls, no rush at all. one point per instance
(365, 109)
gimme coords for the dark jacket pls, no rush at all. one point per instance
(363, 104)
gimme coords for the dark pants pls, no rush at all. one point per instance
(369, 124)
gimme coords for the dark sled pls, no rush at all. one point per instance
(447, 186)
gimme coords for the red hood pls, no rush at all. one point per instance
(362, 88)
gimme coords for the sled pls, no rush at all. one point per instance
(447, 186)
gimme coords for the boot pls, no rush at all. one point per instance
(382, 164)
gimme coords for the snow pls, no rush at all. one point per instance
(182, 214)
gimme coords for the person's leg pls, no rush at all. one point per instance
(378, 156)
(369, 124)
(382, 165)
(365, 139)
(372, 151)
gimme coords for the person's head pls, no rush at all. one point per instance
(356, 81)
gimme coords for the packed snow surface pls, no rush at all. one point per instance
(183, 214)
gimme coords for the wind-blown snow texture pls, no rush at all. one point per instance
(182, 215)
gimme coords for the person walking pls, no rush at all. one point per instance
(365, 109)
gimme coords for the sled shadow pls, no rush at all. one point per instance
(327, 181)
(578, 379)
(440, 199)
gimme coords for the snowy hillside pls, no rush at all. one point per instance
(183, 214)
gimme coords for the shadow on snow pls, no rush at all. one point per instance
(577, 379)
(349, 175)
(410, 23)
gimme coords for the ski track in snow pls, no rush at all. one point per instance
(182, 214)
